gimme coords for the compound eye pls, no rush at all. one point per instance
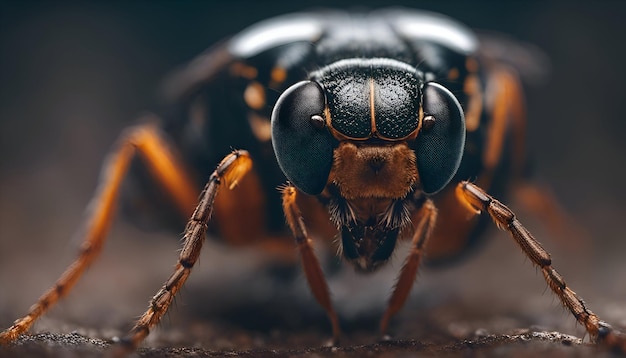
(439, 145)
(302, 144)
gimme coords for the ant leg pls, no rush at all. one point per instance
(477, 201)
(427, 219)
(312, 270)
(147, 141)
(230, 170)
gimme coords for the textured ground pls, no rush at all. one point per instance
(553, 344)
(76, 74)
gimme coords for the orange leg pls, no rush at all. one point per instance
(232, 168)
(478, 201)
(146, 141)
(310, 263)
(427, 219)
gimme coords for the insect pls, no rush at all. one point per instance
(372, 123)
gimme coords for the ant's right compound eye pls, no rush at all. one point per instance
(302, 144)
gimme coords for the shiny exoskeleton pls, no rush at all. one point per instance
(389, 52)
(370, 123)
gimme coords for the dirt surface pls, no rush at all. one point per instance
(551, 344)
(77, 73)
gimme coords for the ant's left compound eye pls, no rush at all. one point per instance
(302, 144)
(439, 145)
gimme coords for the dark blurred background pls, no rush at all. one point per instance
(74, 74)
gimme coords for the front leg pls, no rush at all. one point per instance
(477, 200)
(229, 172)
(310, 263)
(423, 231)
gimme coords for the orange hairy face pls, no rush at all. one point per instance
(363, 170)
